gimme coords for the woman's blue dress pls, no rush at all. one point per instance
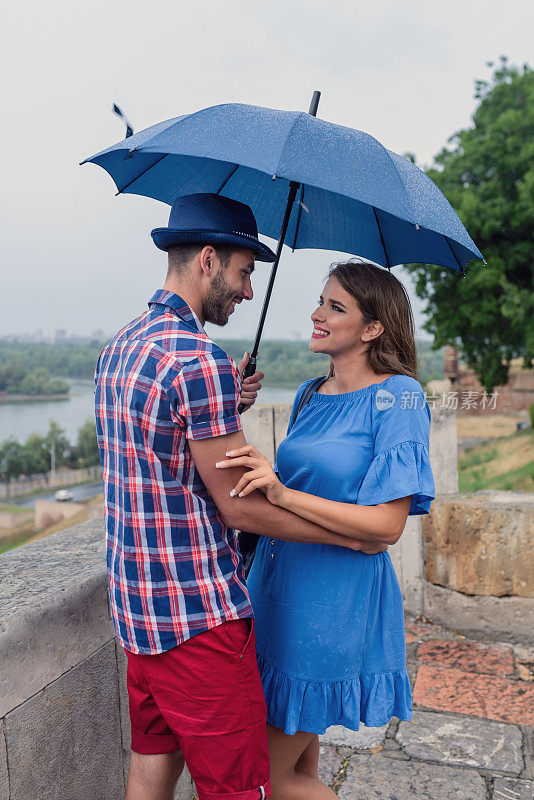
(329, 621)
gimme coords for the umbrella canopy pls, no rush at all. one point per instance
(354, 195)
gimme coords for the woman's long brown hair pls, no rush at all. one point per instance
(381, 296)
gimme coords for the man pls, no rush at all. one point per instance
(166, 409)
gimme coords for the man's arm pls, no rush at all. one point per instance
(254, 513)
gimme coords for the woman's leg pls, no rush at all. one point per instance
(288, 783)
(308, 763)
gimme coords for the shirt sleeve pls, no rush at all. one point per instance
(206, 396)
(401, 462)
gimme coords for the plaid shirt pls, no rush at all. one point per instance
(174, 567)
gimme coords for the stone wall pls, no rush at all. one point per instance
(26, 484)
(10, 519)
(48, 512)
(64, 729)
(514, 398)
(481, 543)
(479, 564)
(407, 555)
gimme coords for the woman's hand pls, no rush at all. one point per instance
(260, 476)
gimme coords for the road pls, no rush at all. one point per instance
(82, 492)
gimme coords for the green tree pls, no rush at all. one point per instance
(12, 461)
(55, 438)
(487, 173)
(39, 382)
(11, 373)
(86, 448)
(36, 454)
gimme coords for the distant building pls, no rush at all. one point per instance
(473, 400)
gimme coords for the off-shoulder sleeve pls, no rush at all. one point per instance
(401, 462)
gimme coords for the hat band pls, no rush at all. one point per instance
(248, 235)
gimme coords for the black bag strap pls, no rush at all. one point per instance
(307, 395)
(248, 541)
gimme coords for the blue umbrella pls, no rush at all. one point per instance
(310, 183)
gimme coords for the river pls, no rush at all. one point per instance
(20, 419)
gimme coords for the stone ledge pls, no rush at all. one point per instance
(53, 609)
(64, 741)
(443, 449)
(505, 619)
(4, 776)
(481, 544)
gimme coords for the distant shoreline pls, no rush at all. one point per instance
(24, 398)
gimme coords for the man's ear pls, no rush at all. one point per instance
(207, 258)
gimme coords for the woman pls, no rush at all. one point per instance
(329, 621)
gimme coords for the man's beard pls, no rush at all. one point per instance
(216, 304)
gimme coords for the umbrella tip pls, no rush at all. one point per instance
(314, 103)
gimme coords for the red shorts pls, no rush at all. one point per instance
(205, 698)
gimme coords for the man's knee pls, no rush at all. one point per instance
(177, 764)
(155, 772)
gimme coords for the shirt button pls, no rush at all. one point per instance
(272, 555)
(272, 542)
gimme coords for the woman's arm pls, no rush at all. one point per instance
(383, 523)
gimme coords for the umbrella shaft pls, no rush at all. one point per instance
(293, 186)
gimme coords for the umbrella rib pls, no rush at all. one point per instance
(462, 270)
(381, 238)
(299, 214)
(223, 184)
(142, 173)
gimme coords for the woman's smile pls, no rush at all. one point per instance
(319, 333)
(337, 316)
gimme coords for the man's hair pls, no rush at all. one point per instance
(181, 255)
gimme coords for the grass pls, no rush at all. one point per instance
(18, 538)
(506, 463)
(12, 509)
(491, 426)
(474, 457)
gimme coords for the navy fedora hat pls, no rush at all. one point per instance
(212, 219)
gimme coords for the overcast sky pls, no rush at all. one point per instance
(74, 256)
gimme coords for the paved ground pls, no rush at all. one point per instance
(472, 735)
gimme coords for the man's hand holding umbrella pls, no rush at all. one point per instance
(250, 386)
